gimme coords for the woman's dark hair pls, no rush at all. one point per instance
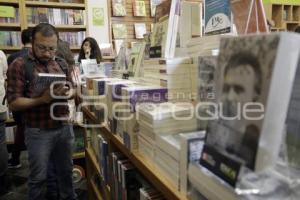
(26, 36)
(64, 51)
(95, 50)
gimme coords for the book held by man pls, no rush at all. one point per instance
(44, 81)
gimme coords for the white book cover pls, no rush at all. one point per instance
(44, 81)
(254, 72)
(169, 144)
(162, 111)
(207, 184)
(136, 59)
(191, 147)
(140, 30)
(166, 27)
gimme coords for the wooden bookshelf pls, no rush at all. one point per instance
(9, 2)
(96, 191)
(11, 25)
(78, 155)
(22, 5)
(285, 16)
(145, 166)
(9, 48)
(55, 4)
(65, 27)
(129, 20)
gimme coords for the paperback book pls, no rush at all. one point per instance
(250, 75)
(119, 31)
(217, 15)
(119, 8)
(140, 30)
(44, 80)
(163, 38)
(139, 8)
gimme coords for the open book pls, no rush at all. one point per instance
(44, 80)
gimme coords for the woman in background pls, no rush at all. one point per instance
(90, 50)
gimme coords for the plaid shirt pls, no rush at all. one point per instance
(39, 116)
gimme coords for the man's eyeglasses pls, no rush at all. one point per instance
(43, 48)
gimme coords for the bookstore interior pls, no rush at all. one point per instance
(158, 97)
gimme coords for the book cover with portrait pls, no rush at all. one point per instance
(254, 81)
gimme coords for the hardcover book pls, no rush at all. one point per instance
(139, 8)
(136, 58)
(250, 77)
(119, 8)
(119, 31)
(140, 30)
(44, 80)
(153, 4)
(163, 38)
(217, 15)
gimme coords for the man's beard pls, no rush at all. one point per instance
(42, 61)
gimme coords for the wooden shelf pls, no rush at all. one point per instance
(91, 155)
(96, 191)
(65, 27)
(10, 48)
(10, 25)
(9, 143)
(10, 120)
(79, 155)
(291, 22)
(74, 48)
(90, 115)
(55, 4)
(108, 57)
(9, 2)
(147, 168)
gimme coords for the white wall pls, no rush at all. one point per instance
(100, 33)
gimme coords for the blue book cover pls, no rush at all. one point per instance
(148, 95)
(217, 14)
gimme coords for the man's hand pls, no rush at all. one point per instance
(46, 96)
(61, 91)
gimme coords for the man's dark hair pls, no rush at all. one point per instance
(64, 51)
(47, 30)
(95, 50)
(26, 36)
(246, 58)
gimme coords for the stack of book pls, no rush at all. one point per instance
(119, 73)
(174, 152)
(114, 100)
(132, 97)
(158, 119)
(100, 94)
(203, 46)
(173, 74)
